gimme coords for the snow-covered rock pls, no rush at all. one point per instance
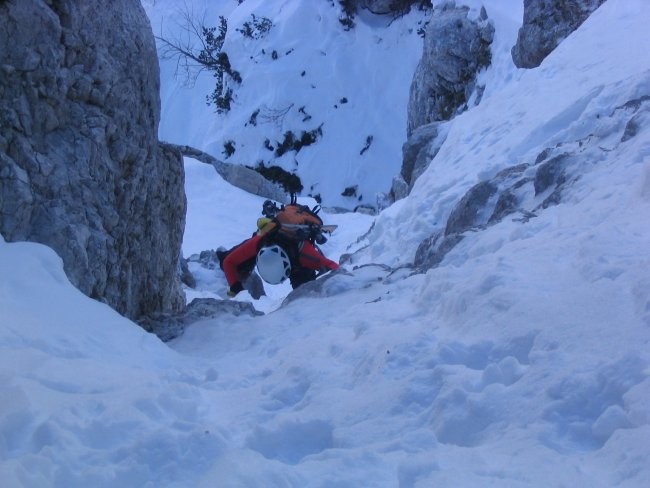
(525, 190)
(456, 48)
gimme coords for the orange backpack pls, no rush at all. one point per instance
(297, 222)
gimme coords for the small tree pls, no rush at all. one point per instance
(289, 181)
(291, 143)
(256, 28)
(199, 48)
(348, 9)
(228, 148)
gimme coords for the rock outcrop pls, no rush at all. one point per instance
(456, 48)
(81, 168)
(546, 24)
(417, 153)
(237, 175)
(170, 326)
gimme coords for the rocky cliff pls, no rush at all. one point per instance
(546, 24)
(81, 168)
(456, 49)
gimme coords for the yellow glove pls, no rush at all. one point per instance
(264, 225)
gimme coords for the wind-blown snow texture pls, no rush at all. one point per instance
(520, 360)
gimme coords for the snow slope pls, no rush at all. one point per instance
(350, 84)
(571, 96)
(521, 360)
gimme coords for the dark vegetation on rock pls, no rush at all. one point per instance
(290, 182)
(394, 8)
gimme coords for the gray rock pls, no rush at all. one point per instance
(340, 281)
(171, 326)
(186, 275)
(81, 168)
(455, 50)
(207, 259)
(253, 284)
(465, 214)
(433, 249)
(507, 204)
(365, 209)
(549, 173)
(546, 24)
(551, 178)
(399, 189)
(315, 288)
(639, 119)
(417, 153)
(633, 126)
(237, 175)
(383, 7)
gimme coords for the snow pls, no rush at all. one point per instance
(339, 79)
(521, 360)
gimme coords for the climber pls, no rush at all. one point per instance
(284, 246)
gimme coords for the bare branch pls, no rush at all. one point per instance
(274, 115)
(182, 46)
(195, 48)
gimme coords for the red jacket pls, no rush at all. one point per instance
(309, 257)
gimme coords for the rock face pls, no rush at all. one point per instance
(546, 24)
(455, 50)
(81, 168)
(417, 153)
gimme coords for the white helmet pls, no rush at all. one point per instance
(273, 264)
